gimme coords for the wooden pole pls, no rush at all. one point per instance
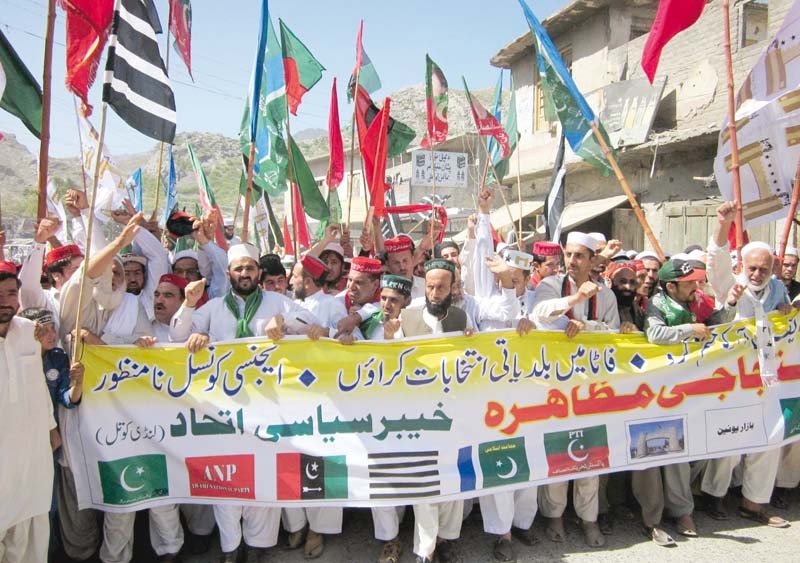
(787, 228)
(249, 191)
(353, 149)
(519, 197)
(80, 142)
(637, 210)
(292, 183)
(47, 80)
(433, 188)
(161, 143)
(499, 186)
(77, 343)
(737, 184)
(236, 209)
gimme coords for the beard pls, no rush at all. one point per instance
(246, 288)
(135, 288)
(745, 281)
(624, 298)
(300, 293)
(6, 314)
(439, 310)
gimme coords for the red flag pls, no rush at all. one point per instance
(88, 26)
(672, 17)
(287, 239)
(336, 161)
(486, 123)
(299, 224)
(180, 25)
(732, 237)
(438, 210)
(374, 149)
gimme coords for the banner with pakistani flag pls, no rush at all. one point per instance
(20, 94)
(563, 100)
(262, 423)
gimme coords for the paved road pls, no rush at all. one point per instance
(735, 540)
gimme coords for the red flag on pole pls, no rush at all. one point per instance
(88, 26)
(374, 150)
(672, 17)
(180, 25)
(287, 238)
(336, 162)
(299, 224)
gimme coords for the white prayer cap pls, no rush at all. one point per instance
(583, 239)
(751, 247)
(647, 255)
(599, 237)
(228, 222)
(501, 246)
(186, 254)
(517, 259)
(791, 251)
(631, 254)
(696, 255)
(334, 247)
(242, 250)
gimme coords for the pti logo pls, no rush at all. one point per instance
(222, 476)
(575, 451)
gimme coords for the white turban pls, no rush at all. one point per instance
(242, 250)
(583, 239)
(791, 251)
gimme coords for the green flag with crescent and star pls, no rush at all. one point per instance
(134, 479)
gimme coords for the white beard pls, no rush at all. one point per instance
(742, 279)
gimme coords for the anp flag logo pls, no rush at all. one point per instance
(134, 479)
(791, 416)
(301, 477)
(575, 451)
(222, 476)
(503, 462)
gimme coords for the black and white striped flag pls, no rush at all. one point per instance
(136, 83)
(554, 204)
(399, 475)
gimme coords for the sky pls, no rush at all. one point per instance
(461, 36)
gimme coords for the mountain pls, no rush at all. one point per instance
(218, 154)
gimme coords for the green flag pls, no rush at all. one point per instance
(272, 163)
(207, 199)
(301, 69)
(133, 479)
(313, 203)
(503, 462)
(20, 94)
(335, 209)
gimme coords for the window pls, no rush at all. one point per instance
(539, 121)
(755, 22)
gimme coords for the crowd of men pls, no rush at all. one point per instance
(143, 292)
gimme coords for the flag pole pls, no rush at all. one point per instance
(352, 148)
(77, 342)
(787, 228)
(236, 209)
(80, 142)
(499, 186)
(433, 186)
(161, 143)
(292, 183)
(637, 210)
(519, 197)
(248, 192)
(737, 184)
(47, 79)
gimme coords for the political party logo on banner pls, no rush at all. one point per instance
(575, 451)
(134, 479)
(403, 475)
(503, 462)
(222, 476)
(660, 438)
(791, 416)
(304, 477)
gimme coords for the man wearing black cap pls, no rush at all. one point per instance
(395, 296)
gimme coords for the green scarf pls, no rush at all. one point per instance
(251, 305)
(674, 313)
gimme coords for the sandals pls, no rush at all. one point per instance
(686, 526)
(504, 551)
(391, 552)
(761, 517)
(555, 530)
(658, 536)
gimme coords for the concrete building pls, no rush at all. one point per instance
(670, 170)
